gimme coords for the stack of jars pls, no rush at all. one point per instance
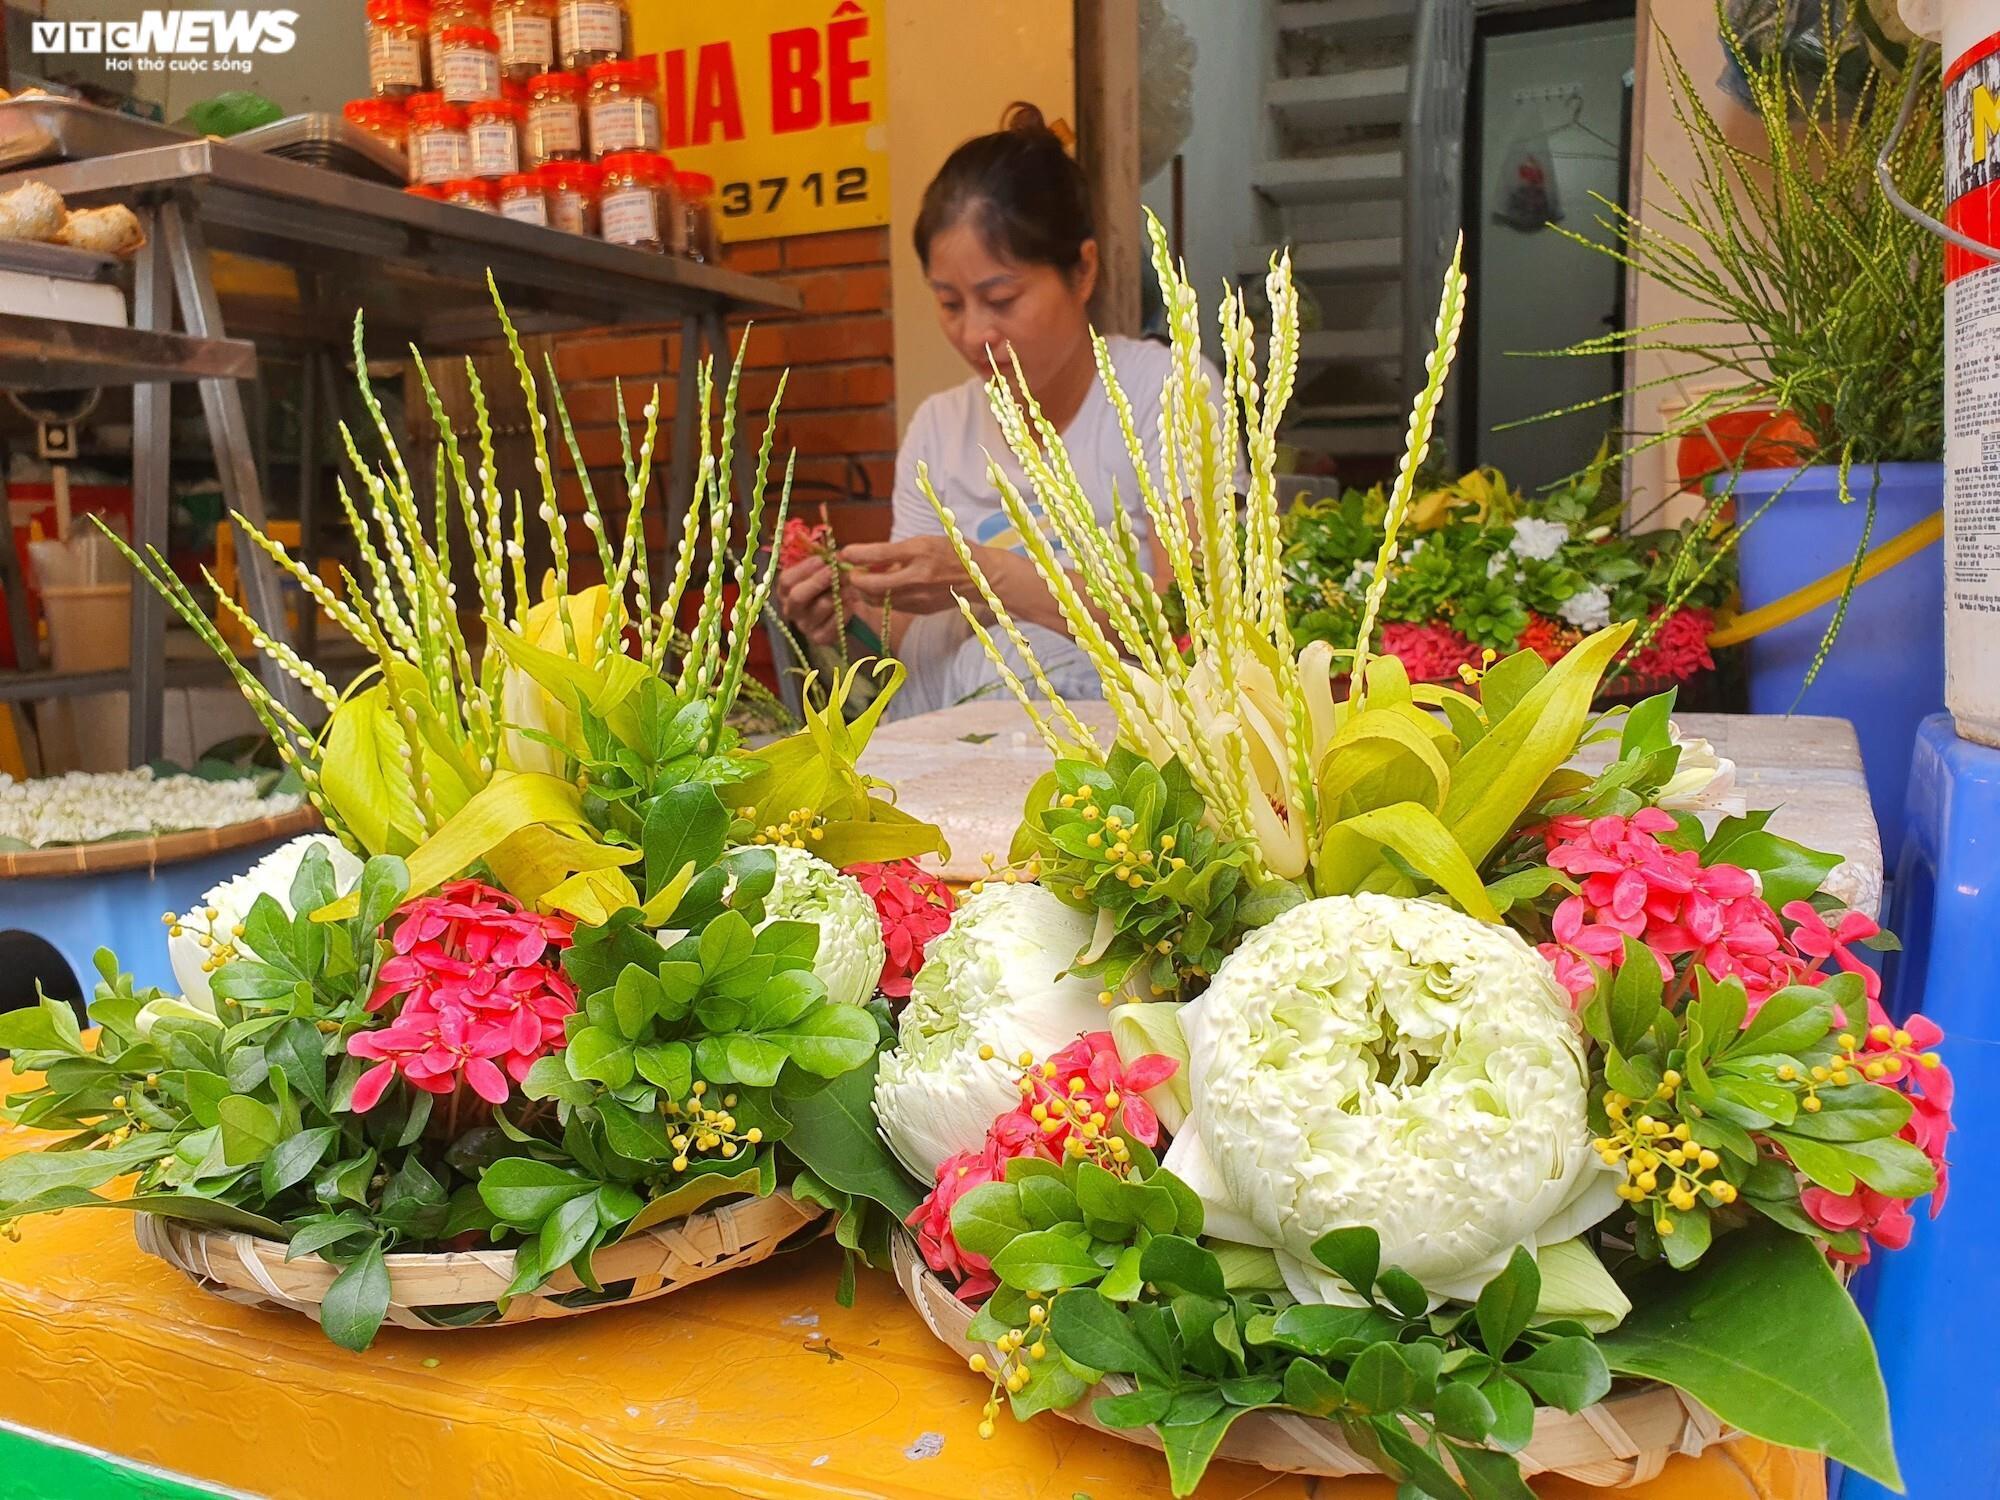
(535, 109)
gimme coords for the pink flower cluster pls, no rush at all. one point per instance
(802, 540)
(1901, 1058)
(914, 907)
(1632, 885)
(480, 992)
(1085, 1078)
(1680, 649)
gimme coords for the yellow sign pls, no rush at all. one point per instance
(781, 102)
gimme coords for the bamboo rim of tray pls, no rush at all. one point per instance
(253, 1272)
(1625, 1439)
(151, 851)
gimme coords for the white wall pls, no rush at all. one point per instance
(1535, 289)
(1664, 157)
(327, 67)
(1230, 39)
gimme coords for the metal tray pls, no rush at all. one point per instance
(324, 140)
(61, 261)
(51, 129)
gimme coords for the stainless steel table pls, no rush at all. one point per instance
(418, 267)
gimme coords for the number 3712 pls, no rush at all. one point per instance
(850, 185)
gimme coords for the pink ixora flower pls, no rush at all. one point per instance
(480, 995)
(1084, 1085)
(914, 906)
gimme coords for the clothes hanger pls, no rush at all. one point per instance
(1575, 122)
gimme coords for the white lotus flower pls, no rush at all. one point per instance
(1372, 1060)
(808, 889)
(1703, 781)
(995, 981)
(206, 936)
(1154, 1027)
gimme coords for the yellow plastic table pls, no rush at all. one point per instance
(755, 1384)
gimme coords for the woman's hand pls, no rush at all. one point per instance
(921, 574)
(805, 597)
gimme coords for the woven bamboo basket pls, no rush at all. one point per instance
(1625, 1439)
(449, 1290)
(158, 849)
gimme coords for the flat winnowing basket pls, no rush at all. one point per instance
(1623, 1440)
(458, 1289)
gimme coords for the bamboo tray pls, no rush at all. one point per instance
(438, 1292)
(146, 852)
(1624, 1440)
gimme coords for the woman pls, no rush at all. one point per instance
(1006, 241)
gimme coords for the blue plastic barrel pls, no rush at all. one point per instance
(1933, 1305)
(1886, 671)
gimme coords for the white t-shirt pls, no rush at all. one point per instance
(954, 431)
(951, 435)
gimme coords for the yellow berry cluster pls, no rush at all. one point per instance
(118, 1135)
(1901, 1055)
(798, 828)
(699, 1129)
(1471, 675)
(1662, 1163)
(199, 923)
(1008, 875)
(1017, 1346)
(1086, 1129)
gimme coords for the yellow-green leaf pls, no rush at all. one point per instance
(363, 776)
(1415, 833)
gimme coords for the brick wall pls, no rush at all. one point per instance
(840, 402)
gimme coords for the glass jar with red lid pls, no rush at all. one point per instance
(572, 188)
(472, 192)
(453, 13)
(427, 190)
(698, 237)
(555, 118)
(624, 108)
(386, 119)
(396, 30)
(639, 204)
(524, 198)
(468, 64)
(439, 148)
(527, 32)
(493, 135)
(589, 32)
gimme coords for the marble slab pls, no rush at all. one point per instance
(968, 769)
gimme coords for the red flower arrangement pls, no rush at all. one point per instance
(915, 906)
(482, 997)
(1071, 1105)
(802, 540)
(1429, 653)
(1679, 650)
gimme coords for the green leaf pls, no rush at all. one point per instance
(668, 1066)
(834, 1133)
(1140, 1408)
(1403, 1292)
(1635, 997)
(1123, 1282)
(1047, 1201)
(295, 1158)
(1308, 1388)
(1414, 832)
(597, 1054)
(1513, 1412)
(1507, 1303)
(1411, 1463)
(1792, 1019)
(634, 1135)
(684, 824)
(1173, 1262)
(1462, 1412)
(1047, 1260)
(48, 1026)
(319, 1233)
(523, 1192)
(699, 1186)
(384, 881)
(298, 1048)
(1094, 1333)
(1354, 1255)
(1379, 1380)
(357, 1301)
(1646, 726)
(1566, 1372)
(1489, 1475)
(829, 1040)
(987, 1218)
(1323, 1330)
(1190, 1445)
(1854, 1112)
(249, 1129)
(1895, 1167)
(1730, 1335)
(636, 999)
(725, 942)
(1789, 871)
(565, 1232)
(1693, 1233)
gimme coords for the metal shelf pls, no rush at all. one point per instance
(50, 354)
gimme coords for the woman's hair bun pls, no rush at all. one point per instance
(1023, 118)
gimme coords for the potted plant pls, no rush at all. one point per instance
(1820, 306)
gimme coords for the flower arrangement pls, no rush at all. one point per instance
(1488, 570)
(1355, 1057)
(573, 963)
